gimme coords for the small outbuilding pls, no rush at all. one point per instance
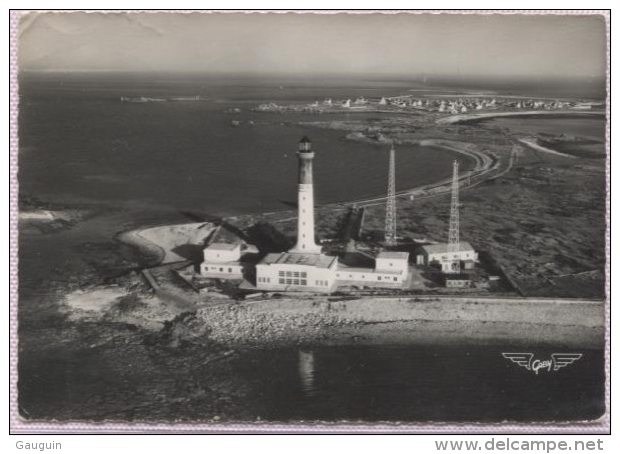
(222, 260)
(438, 254)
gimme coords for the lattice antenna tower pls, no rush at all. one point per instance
(453, 234)
(390, 211)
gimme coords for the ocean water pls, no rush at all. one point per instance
(78, 141)
(421, 383)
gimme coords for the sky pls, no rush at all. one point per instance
(490, 46)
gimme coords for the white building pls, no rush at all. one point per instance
(222, 260)
(395, 262)
(288, 271)
(437, 254)
(391, 270)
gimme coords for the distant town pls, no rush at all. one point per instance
(445, 104)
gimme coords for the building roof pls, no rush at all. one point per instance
(370, 271)
(393, 255)
(443, 248)
(223, 246)
(353, 269)
(233, 263)
(287, 258)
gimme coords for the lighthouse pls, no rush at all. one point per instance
(305, 268)
(305, 201)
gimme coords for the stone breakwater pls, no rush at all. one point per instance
(244, 324)
(404, 320)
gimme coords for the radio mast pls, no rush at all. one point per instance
(390, 211)
(453, 234)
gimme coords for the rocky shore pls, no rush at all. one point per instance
(392, 321)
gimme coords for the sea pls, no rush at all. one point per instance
(80, 142)
(196, 145)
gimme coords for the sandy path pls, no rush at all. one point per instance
(531, 142)
(165, 242)
(481, 116)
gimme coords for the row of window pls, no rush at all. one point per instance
(301, 274)
(221, 270)
(456, 256)
(321, 283)
(293, 281)
(387, 278)
(264, 279)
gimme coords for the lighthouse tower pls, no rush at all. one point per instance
(305, 201)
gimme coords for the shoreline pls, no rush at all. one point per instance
(329, 321)
(462, 118)
(405, 321)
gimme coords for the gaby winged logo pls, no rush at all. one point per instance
(556, 362)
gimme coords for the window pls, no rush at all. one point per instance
(281, 281)
(221, 270)
(378, 278)
(281, 273)
(391, 264)
(303, 274)
(230, 270)
(289, 274)
(296, 274)
(304, 282)
(295, 281)
(289, 281)
(395, 279)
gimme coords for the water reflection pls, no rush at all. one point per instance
(306, 371)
